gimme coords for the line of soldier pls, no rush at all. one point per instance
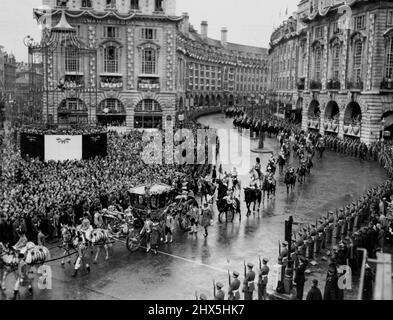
(248, 288)
(341, 233)
(348, 146)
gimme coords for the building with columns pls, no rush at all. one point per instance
(135, 63)
(344, 53)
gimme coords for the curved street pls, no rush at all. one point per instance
(190, 264)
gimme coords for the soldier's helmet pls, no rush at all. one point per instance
(219, 285)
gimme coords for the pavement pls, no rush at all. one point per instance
(192, 262)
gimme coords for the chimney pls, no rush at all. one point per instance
(186, 24)
(204, 29)
(224, 36)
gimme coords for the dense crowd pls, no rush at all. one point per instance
(66, 131)
(37, 196)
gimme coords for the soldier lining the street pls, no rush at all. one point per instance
(248, 284)
(233, 292)
(263, 279)
(220, 294)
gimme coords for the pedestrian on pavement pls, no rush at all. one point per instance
(368, 283)
(331, 287)
(41, 238)
(300, 277)
(314, 293)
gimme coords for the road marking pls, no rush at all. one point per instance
(185, 259)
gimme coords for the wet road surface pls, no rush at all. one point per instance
(191, 263)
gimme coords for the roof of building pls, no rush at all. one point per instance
(240, 48)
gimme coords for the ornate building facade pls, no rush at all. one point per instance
(135, 63)
(344, 61)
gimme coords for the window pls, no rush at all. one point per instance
(336, 28)
(113, 105)
(149, 61)
(86, 3)
(78, 30)
(71, 60)
(359, 22)
(148, 34)
(158, 5)
(336, 62)
(111, 32)
(62, 3)
(390, 18)
(318, 32)
(111, 60)
(110, 4)
(389, 59)
(148, 114)
(134, 4)
(357, 61)
(318, 60)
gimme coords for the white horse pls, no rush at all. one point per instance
(10, 259)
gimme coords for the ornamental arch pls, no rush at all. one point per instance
(353, 114)
(332, 111)
(314, 110)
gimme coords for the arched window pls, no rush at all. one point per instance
(389, 59)
(357, 61)
(111, 59)
(71, 60)
(149, 61)
(317, 64)
(336, 62)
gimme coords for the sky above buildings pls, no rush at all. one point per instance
(249, 22)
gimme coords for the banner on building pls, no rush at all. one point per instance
(94, 145)
(32, 146)
(63, 148)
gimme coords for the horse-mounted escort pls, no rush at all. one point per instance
(153, 201)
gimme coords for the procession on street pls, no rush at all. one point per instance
(143, 159)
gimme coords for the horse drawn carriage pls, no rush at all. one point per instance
(145, 200)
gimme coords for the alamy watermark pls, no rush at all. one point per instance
(201, 146)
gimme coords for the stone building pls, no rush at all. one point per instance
(132, 63)
(344, 53)
(216, 72)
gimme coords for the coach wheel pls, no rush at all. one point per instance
(133, 240)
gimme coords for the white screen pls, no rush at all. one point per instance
(62, 148)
